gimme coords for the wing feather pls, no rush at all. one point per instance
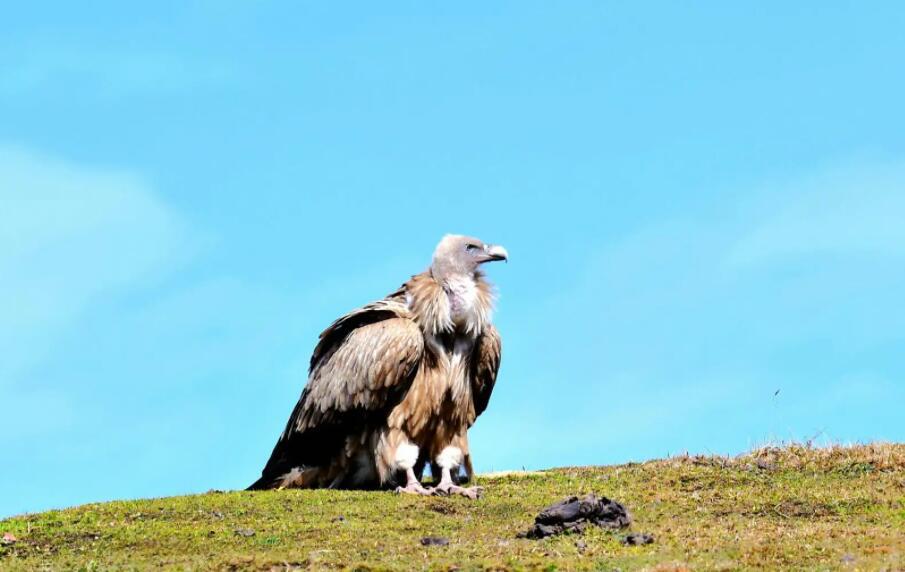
(486, 364)
(365, 372)
(362, 366)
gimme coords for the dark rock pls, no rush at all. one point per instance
(434, 541)
(339, 518)
(574, 514)
(638, 539)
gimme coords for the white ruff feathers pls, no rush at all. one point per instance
(466, 309)
(450, 457)
(406, 456)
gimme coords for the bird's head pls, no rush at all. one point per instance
(462, 255)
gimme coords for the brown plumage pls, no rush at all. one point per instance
(395, 385)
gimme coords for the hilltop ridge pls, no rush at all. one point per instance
(793, 507)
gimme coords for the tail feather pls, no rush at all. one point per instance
(262, 484)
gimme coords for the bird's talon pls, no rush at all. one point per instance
(473, 493)
(414, 490)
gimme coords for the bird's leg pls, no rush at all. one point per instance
(451, 457)
(412, 486)
(448, 487)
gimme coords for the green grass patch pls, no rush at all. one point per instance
(776, 508)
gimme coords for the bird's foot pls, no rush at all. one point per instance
(447, 489)
(414, 488)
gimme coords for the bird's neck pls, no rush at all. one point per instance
(454, 303)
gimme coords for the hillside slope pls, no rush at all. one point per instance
(790, 508)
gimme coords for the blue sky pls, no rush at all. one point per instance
(703, 205)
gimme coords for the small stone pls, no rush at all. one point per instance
(638, 539)
(8, 539)
(848, 559)
(581, 545)
(765, 465)
(339, 518)
(246, 532)
(434, 541)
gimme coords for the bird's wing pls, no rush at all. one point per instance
(362, 366)
(485, 365)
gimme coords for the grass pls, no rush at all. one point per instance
(788, 508)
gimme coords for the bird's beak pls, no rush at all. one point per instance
(495, 252)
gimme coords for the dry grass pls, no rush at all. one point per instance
(806, 457)
(778, 508)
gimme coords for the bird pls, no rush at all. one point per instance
(394, 386)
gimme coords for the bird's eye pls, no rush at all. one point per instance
(472, 248)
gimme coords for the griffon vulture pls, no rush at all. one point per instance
(397, 383)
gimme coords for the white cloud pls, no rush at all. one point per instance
(70, 235)
(27, 68)
(853, 211)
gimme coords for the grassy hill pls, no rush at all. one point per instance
(790, 508)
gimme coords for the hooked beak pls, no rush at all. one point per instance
(495, 252)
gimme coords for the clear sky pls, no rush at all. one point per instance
(704, 206)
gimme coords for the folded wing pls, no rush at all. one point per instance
(485, 364)
(361, 368)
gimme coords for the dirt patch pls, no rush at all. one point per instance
(443, 508)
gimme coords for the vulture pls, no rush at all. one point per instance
(395, 385)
